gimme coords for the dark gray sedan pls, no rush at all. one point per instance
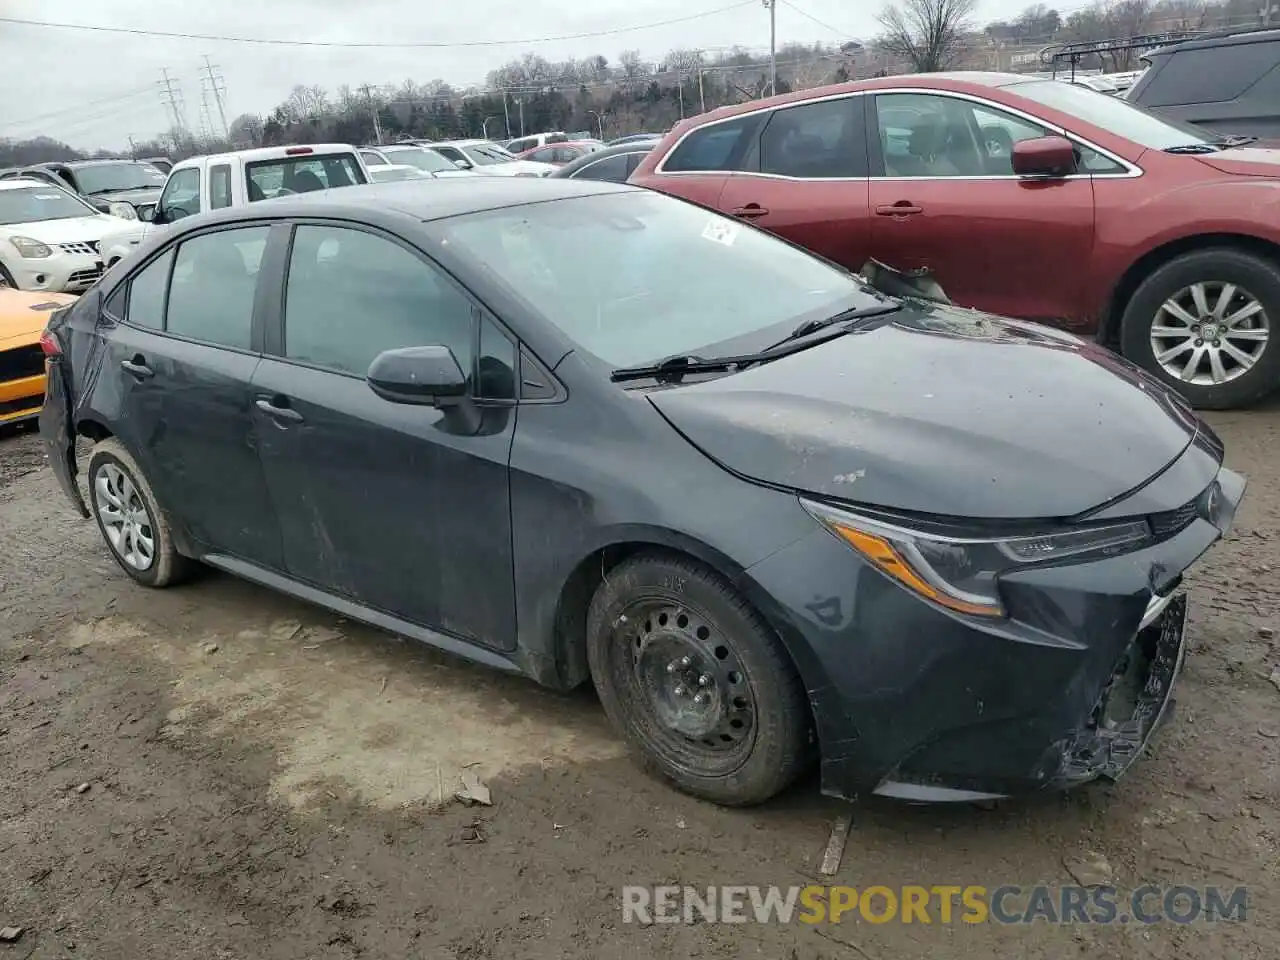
(583, 431)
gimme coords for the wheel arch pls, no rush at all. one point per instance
(1153, 259)
(93, 429)
(570, 641)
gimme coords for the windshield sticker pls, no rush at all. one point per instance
(721, 232)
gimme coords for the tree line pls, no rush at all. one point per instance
(632, 94)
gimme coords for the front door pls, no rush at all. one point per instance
(807, 180)
(182, 364)
(395, 506)
(944, 197)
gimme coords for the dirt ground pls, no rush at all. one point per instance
(264, 782)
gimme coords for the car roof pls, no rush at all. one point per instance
(258, 154)
(974, 80)
(1219, 39)
(465, 143)
(12, 183)
(424, 200)
(100, 162)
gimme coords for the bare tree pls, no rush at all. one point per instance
(926, 33)
(246, 130)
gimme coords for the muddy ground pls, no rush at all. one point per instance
(263, 782)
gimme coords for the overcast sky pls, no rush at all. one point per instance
(94, 89)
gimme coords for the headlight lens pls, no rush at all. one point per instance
(30, 249)
(125, 211)
(962, 573)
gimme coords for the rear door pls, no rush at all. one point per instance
(182, 345)
(806, 179)
(944, 197)
(394, 506)
(698, 164)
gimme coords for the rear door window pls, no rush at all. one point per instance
(827, 139)
(214, 279)
(713, 148)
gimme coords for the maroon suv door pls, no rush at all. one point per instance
(944, 197)
(806, 179)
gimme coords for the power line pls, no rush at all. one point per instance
(373, 44)
(79, 107)
(809, 16)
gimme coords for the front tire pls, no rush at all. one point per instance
(1206, 324)
(696, 681)
(135, 529)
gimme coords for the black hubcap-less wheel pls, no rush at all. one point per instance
(691, 684)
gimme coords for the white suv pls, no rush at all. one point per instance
(234, 179)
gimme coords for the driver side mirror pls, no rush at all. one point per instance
(428, 376)
(1044, 157)
(147, 213)
(462, 164)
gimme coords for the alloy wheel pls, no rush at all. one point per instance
(691, 684)
(124, 516)
(1210, 333)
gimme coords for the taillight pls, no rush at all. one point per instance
(49, 344)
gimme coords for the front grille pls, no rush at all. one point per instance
(21, 362)
(84, 277)
(79, 247)
(1166, 524)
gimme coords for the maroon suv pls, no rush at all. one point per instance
(1022, 196)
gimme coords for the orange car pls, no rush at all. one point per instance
(23, 317)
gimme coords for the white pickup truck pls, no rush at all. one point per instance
(234, 179)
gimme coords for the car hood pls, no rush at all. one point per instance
(941, 411)
(137, 197)
(516, 168)
(1255, 161)
(23, 315)
(88, 229)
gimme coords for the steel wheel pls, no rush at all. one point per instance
(1210, 333)
(124, 516)
(693, 685)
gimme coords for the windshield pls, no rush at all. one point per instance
(485, 154)
(637, 276)
(33, 204)
(1112, 114)
(105, 177)
(420, 158)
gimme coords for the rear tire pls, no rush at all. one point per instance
(6, 278)
(1198, 292)
(696, 681)
(136, 530)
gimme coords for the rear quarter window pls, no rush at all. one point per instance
(715, 147)
(1211, 75)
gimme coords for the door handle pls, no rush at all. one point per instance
(903, 208)
(137, 367)
(278, 412)
(750, 211)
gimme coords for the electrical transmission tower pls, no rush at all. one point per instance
(171, 96)
(218, 87)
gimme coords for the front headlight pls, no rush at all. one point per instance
(125, 211)
(30, 249)
(962, 573)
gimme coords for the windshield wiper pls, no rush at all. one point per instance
(1193, 148)
(845, 316)
(675, 367)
